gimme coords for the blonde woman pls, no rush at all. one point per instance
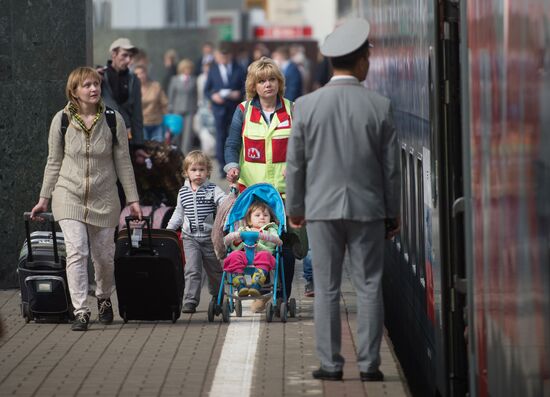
(80, 177)
(255, 149)
(182, 99)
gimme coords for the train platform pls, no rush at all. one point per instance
(192, 357)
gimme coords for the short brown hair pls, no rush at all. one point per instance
(263, 69)
(197, 157)
(257, 204)
(348, 61)
(76, 78)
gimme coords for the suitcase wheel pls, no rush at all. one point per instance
(27, 315)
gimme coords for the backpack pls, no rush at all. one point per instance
(109, 115)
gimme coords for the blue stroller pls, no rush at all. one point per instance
(227, 301)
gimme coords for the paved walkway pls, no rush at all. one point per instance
(181, 359)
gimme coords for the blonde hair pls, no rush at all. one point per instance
(197, 157)
(76, 79)
(263, 69)
(185, 64)
(141, 66)
(257, 204)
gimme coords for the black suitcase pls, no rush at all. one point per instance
(42, 276)
(149, 278)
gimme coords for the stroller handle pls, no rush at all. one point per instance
(250, 238)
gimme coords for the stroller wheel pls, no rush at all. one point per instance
(211, 308)
(277, 309)
(269, 311)
(292, 307)
(238, 308)
(225, 311)
(283, 312)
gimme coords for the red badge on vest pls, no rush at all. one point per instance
(254, 150)
(279, 146)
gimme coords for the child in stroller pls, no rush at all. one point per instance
(262, 255)
(259, 218)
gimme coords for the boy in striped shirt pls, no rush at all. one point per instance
(195, 211)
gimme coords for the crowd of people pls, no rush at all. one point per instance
(338, 177)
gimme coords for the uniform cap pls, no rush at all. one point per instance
(123, 43)
(346, 38)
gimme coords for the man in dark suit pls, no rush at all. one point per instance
(293, 76)
(343, 178)
(225, 89)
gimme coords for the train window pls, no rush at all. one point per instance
(412, 228)
(404, 202)
(183, 13)
(420, 222)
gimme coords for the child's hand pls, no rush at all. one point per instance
(233, 238)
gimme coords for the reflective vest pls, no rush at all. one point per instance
(263, 154)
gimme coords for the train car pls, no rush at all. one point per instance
(466, 282)
(506, 131)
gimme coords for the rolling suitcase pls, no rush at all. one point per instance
(42, 276)
(148, 273)
(160, 216)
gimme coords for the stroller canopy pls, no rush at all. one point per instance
(260, 191)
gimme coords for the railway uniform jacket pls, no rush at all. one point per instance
(344, 162)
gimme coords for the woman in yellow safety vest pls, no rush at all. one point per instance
(255, 149)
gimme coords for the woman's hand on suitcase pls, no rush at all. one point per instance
(41, 206)
(135, 209)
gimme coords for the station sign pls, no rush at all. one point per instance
(282, 32)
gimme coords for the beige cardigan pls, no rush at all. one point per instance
(81, 179)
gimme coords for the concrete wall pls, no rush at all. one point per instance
(40, 43)
(155, 42)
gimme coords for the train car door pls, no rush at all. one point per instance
(451, 199)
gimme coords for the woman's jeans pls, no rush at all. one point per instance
(82, 239)
(153, 133)
(308, 270)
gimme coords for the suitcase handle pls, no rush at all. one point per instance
(147, 220)
(48, 216)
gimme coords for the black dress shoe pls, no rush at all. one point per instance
(327, 375)
(376, 376)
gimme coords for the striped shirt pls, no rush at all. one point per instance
(195, 210)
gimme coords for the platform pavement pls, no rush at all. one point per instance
(165, 359)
